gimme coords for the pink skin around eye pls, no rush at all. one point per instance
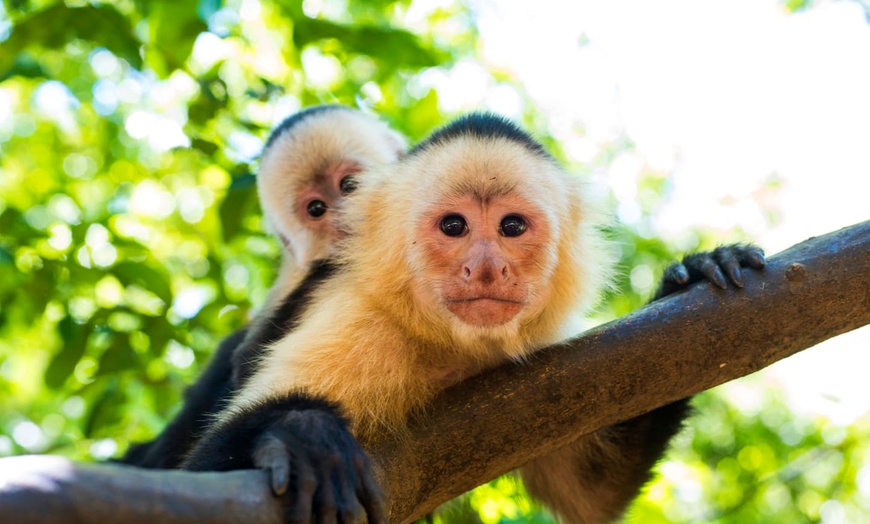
(324, 186)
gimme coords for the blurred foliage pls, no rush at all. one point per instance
(130, 232)
(131, 239)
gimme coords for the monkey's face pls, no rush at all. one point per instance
(475, 240)
(486, 260)
(309, 169)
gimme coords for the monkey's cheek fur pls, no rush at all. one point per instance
(485, 312)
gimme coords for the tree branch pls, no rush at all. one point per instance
(489, 425)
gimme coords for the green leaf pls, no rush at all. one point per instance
(237, 205)
(174, 27)
(211, 100)
(74, 338)
(159, 331)
(6, 258)
(137, 273)
(243, 182)
(24, 66)
(58, 25)
(13, 224)
(118, 357)
(105, 407)
(209, 148)
(394, 46)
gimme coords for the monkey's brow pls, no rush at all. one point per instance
(483, 191)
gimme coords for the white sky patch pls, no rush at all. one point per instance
(105, 64)
(151, 199)
(187, 303)
(244, 146)
(179, 355)
(208, 49)
(285, 106)
(161, 133)
(130, 90)
(103, 449)
(321, 71)
(102, 252)
(724, 100)
(250, 10)
(29, 436)
(462, 87)
(56, 102)
(53, 97)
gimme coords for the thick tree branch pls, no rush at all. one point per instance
(489, 425)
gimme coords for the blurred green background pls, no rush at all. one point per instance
(131, 239)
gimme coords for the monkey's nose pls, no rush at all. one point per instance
(486, 271)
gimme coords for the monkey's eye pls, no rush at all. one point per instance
(512, 226)
(454, 226)
(347, 184)
(316, 208)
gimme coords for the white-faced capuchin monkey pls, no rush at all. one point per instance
(473, 250)
(308, 164)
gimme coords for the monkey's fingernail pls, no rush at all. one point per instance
(717, 278)
(680, 274)
(735, 275)
(279, 481)
(757, 260)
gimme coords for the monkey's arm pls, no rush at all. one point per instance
(316, 464)
(201, 400)
(594, 479)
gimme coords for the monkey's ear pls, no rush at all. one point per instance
(398, 142)
(288, 245)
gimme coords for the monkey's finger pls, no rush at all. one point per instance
(753, 257)
(306, 485)
(271, 454)
(677, 273)
(369, 492)
(345, 486)
(728, 262)
(711, 272)
(324, 498)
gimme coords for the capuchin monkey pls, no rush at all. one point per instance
(310, 162)
(473, 250)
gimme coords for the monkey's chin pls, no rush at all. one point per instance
(485, 312)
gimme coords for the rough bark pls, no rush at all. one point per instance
(486, 426)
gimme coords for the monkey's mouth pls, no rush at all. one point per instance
(486, 297)
(485, 310)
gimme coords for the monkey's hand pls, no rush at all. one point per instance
(713, 266)
(314, 456)
(313, 460)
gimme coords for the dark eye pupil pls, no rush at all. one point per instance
(347, 185)
(513, 226)
(316, 208)
(453, 225)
